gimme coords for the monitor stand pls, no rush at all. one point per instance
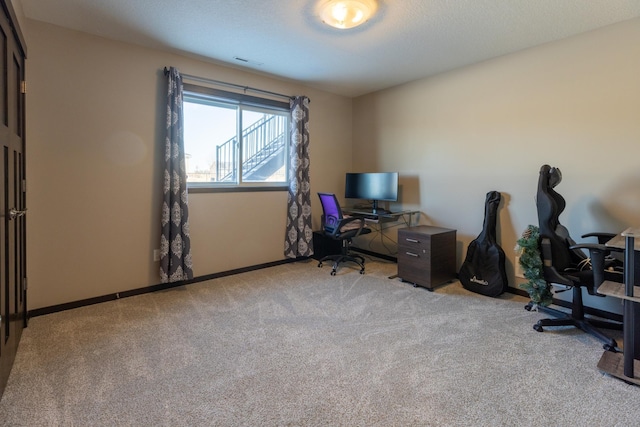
(378, 211)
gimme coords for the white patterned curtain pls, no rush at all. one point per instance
(299, 234)
(175, 244)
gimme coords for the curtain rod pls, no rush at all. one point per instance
(218, 82)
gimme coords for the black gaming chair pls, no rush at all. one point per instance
(338, 227)
(565, 263)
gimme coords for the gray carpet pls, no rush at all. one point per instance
(293, 346)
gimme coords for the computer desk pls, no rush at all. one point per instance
(380, 223)
(625, 366)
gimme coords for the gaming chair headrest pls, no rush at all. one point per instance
(550, 176)
(555, 177)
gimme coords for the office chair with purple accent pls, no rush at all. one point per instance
(338, 227)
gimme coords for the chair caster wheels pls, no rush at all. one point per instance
(319, 264)
(538, 328)
(362, 271)
(528, 307)
(333, 272)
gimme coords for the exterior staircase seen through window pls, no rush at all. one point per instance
(262, 154)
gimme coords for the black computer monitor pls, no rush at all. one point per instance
(373, 186)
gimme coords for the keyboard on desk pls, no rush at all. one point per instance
(371, 217)
(366, 216)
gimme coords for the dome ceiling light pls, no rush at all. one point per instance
(346, 14)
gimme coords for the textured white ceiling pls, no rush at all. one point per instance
(406, 40)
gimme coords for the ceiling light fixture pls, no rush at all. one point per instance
(346, 14)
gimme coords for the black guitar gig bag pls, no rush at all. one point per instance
(483, 268)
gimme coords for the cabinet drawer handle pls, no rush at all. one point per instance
(412, 254)
(412, 240)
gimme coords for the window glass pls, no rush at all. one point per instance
(209, 134)
(230, 143)
(264, 141)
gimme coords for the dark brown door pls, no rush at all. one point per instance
(13, 297)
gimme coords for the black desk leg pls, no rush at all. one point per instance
(629, 321)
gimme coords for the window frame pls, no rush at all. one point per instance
(240, 100)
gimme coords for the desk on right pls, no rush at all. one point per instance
(625, 366)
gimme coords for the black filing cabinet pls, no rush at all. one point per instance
(427, 255)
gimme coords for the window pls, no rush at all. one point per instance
(233, 140)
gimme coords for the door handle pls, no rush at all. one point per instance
(14, 213)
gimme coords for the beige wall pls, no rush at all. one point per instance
(95, 110)
(574, 104)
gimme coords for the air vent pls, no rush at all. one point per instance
(247, 61)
